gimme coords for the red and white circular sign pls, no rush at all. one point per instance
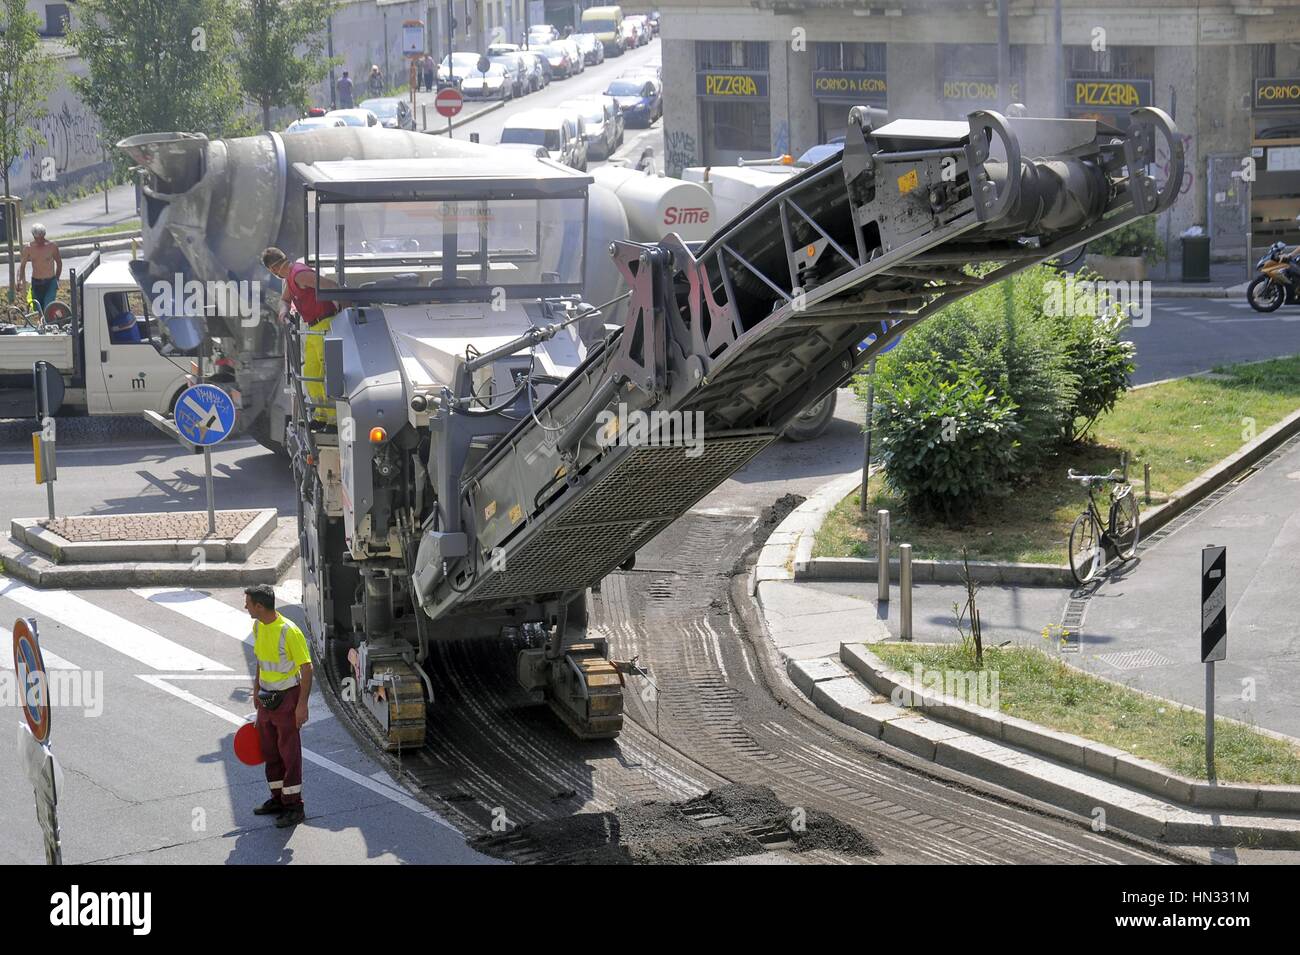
(449, 102)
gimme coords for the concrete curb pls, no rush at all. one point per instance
(792, 541)
(276, 552)
(457, 123)
(29, 532)
(1086, 754)
(839, 694)
(937, 571)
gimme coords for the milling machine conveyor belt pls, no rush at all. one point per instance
(783, 305)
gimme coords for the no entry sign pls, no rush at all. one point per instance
(449, 102)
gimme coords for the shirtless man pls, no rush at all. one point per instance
(47, 266)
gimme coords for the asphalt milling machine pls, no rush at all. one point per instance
(477, 479)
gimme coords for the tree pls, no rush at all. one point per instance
(26, 78)
(279, 58)
(157, 65)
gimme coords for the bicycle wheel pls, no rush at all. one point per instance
(1124, 524)
(1085, 548)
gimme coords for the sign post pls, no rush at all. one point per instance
(1214, 633)
(48, 386)
(449, 102)
(34, 734)
(205, 416)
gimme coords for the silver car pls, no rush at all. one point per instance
(539, 71)
(515, 70)
(602, 124)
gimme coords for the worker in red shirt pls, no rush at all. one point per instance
(301, 284)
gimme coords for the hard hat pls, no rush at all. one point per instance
(248, 747)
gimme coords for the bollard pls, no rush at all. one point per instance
(424, 117)
(882, 556)
(905, 591)
(1146, 483)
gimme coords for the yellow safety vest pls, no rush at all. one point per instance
(276, 667)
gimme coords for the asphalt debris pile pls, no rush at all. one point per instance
(724, 823)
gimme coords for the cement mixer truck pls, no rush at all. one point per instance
(209, 207)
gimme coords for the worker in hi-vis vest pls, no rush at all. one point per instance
(281, 685)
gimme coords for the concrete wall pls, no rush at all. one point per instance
(71, 153)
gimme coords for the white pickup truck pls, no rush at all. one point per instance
(126, 373)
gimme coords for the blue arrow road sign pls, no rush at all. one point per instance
(205, 415)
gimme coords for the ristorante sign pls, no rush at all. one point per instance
(977, 90)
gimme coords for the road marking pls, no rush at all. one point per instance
(202, 608)
(52, 660)
(289, 592)
(365, 782)
(103, 626)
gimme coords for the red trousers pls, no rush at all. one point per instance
(282, 747)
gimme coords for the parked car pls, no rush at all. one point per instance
(561, 59)
(600, 124)
(575, 115)
(314, 122)
(575, 54)
(550, 128)
(537, 152)
(593, 51)
(496, 49)
(639, 98)
(514, 66)
(456, 67)
(631, 35)
(393, 112)
(652, 18)
(540, 34)
(355, 117)
(642, 28)
(539, 69)
(496, 83)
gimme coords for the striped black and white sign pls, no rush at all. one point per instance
(1214, 603)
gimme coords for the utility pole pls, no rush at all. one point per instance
(1004, 56)
(329, 46)
(1058, 61)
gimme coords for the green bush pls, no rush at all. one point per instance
(1094, 352)
(1015, 370)
(1138, 239)
(948, 439)
(1016, 353)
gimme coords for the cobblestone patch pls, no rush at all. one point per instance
(182, 525)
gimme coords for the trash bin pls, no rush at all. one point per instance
(1196, 256)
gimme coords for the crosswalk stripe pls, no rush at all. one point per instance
(202, 608)
(289, 592)
(52, 660)
(104, 626)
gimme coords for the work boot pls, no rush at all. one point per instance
(291, 816)
(272, 807)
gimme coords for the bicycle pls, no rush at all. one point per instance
(1090, 542)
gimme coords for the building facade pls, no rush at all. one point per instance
(749, 78)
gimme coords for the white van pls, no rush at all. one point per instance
(552, 128)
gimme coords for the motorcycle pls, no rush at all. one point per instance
(1276, 283)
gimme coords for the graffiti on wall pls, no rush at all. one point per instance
(72, 143)
(781, 141)
(1189, 164)
(679, 152)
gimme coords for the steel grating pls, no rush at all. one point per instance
(662, 481)
(619, 513)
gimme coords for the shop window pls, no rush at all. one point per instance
(968, 60)
(1114, 63)
(866, 57)
(741, 127)
(1263, 57)
(730, 54)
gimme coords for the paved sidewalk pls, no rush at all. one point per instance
(1141, 626)
(82, 215)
